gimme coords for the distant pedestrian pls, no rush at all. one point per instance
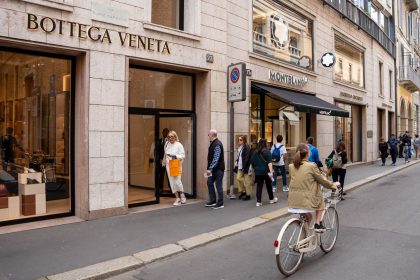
(263, 168)
(383, 150)
(339, 157)
(393, 148)
(243, 162)
(416, 144)
(278, 153)
(174, 151)
(400, 146)
(313, 152)
(215, 170)
(406, 141)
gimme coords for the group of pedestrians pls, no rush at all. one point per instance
(404, 147)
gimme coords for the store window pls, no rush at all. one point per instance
(350, 68)
(282, 33)
(35, 94)
(349, 130)
(168, 13)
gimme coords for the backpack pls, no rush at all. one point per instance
(337, 161)
(275, 155)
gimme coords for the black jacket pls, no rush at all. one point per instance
(246, 158)
(221, 163)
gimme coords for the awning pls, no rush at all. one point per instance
(301, 101)
(291, 116)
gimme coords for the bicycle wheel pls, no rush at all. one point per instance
(329, 237)
(287, 256)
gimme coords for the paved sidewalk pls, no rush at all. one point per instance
(125, 241)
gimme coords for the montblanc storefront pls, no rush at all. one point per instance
(85, 104)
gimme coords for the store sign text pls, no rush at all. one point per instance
(95, 33)
(351, 96)
(287, 79)
(323, 112)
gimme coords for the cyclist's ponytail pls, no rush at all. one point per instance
(301, 152)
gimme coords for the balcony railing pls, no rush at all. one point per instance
(350, 11)
(409, 77)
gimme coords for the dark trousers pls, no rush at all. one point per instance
(338, 175)
(217, 177)
(383, 158)
(260, 179)
(394, 154)
(282, 169)
(400, 150)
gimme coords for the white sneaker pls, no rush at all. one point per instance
(258, 204)
(274, 200)
(285, 188)
(183, 200)
(177, 202)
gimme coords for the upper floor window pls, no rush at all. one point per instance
(350, 66)
(168, 13)
(381, 79)
(282, 33)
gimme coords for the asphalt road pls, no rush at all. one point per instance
(379, 239)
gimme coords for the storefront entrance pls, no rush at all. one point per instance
(159, 102)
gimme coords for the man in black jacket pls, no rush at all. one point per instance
(215, 170)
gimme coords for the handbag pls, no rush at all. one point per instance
(175, 167)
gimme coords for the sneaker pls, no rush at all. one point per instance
(274, 200)
(258, 204)
(218, 207)
(319, 228)
(285, 188)
(242, 195)
(247, 197)
(177, 202)
(183, 200)
(210, 204)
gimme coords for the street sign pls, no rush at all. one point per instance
(236, 82)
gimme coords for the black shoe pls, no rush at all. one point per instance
(218, 206)
(344, 193)
(319, 228)
(210, 204)
(242, 195)
(342, 198)
(247, 197)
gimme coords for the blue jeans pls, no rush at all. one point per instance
(283, 174)
(217, 177)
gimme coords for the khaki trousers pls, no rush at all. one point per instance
(244, 182)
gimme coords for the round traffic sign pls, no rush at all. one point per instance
(234, 75)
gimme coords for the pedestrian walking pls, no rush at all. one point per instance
(313, 152)
(215, 171)
(278, 153)
(400, 146)
(263, 168)
(242, 164)
(406, 141)
(416, 144)
(383, 150)
(393, 144)
(174, 151)
(305, 194)
(339, 157)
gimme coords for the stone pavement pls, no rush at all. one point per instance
(100, 248)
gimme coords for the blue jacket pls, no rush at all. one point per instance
(393, 143)
(313, 154)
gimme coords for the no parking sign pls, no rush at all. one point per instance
(236, 79)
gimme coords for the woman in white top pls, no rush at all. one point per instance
(175, 150)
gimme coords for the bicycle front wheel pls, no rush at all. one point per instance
(329, 237)
(288, 256)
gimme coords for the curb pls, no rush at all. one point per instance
(117, 266)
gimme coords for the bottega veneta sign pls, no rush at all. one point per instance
(96, 33)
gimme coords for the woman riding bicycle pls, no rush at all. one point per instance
(305, 195)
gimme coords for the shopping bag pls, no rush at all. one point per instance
(175, 167)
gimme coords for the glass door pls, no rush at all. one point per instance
(182, 124)
(141, 159)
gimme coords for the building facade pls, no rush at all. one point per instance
(88, 88)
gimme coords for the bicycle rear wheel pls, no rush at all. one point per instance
(329, 237)
(287, 255)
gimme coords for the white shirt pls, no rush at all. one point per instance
(240, 157)
(283, 152)
(174, 149)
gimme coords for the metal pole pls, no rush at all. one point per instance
(232, 147)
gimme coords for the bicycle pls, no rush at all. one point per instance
(296, 237)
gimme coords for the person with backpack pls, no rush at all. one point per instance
(278, 152)
(416, 144)
(393, 148)
(406, 141)
(339, 157)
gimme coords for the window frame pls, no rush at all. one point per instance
(181, 16)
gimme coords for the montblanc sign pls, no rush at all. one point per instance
(96, 33)
(287, 78)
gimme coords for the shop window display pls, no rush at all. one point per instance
(282, 33)
(34, 135)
